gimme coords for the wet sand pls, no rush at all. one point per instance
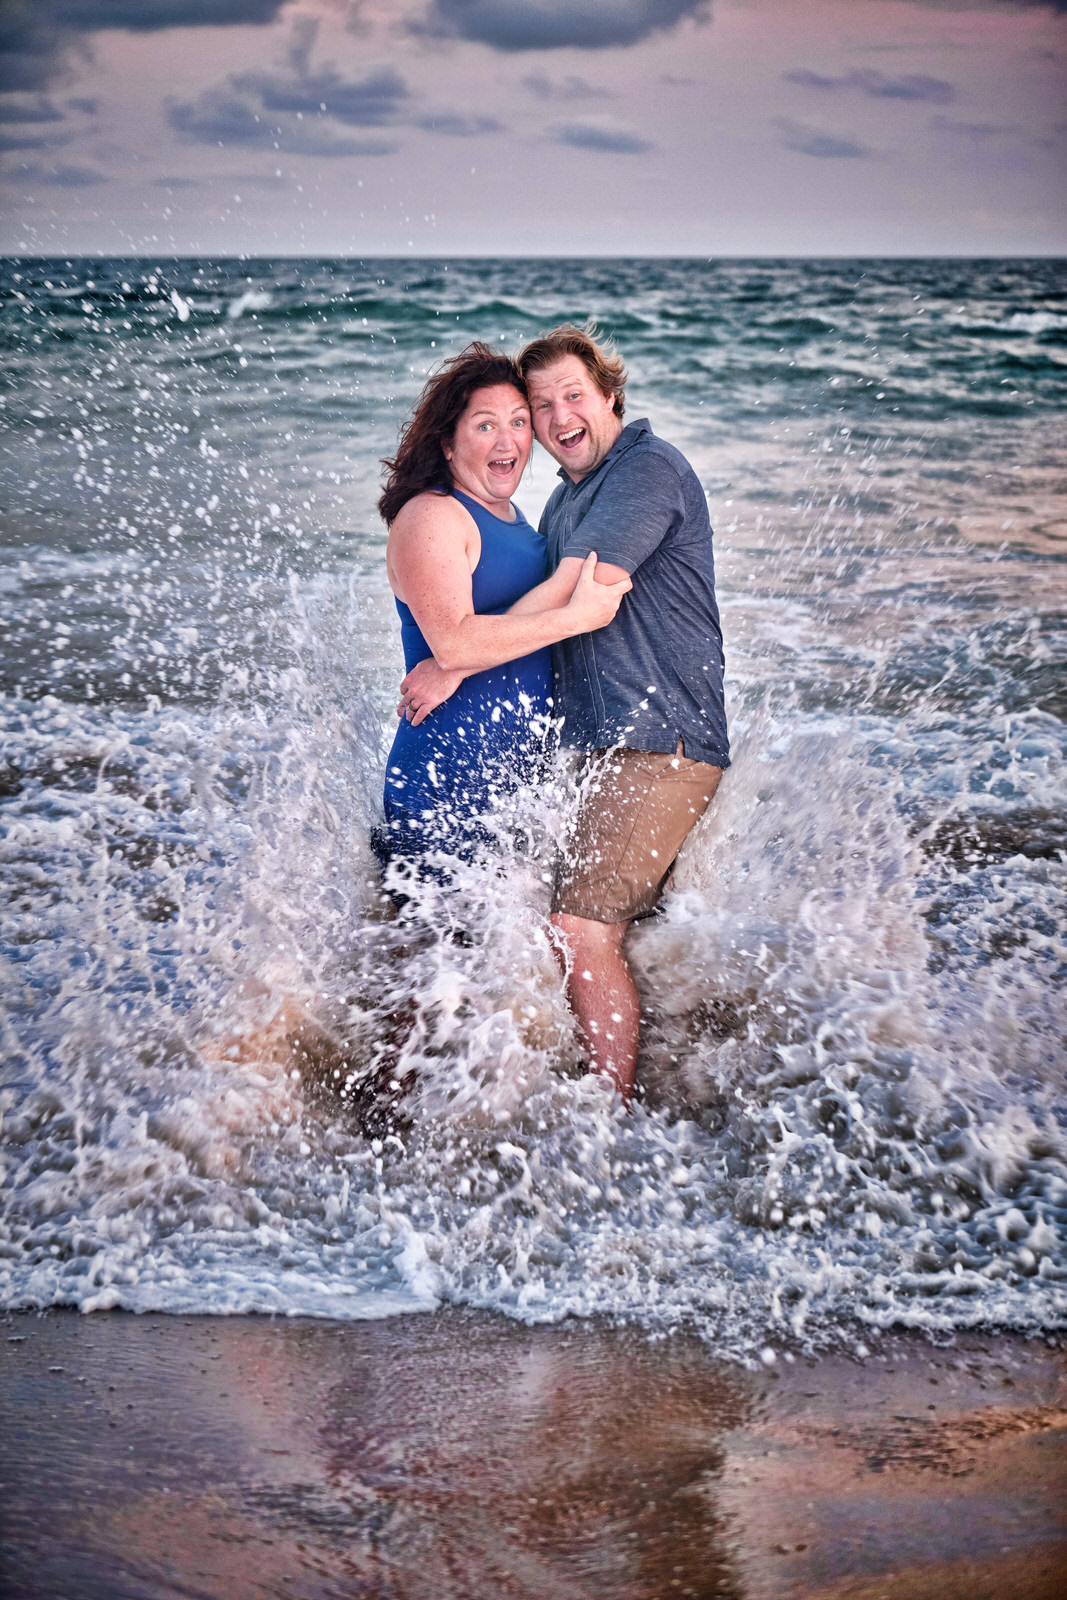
(463, 1457)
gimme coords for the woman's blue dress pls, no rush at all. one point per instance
(446, 775)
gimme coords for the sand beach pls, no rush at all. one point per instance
(456, 1455)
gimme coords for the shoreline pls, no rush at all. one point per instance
(455, 1454)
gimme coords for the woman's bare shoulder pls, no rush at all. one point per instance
(434, 510)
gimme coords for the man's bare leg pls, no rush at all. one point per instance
(603, 997)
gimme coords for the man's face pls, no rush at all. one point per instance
(572, 419)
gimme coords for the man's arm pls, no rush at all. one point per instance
(638, 502)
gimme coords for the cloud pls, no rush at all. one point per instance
(21, 108)
(223, 116)
(813, 142)
(979, 132)
(911, 86)
(569, 88)
(601, 133)
(297, 107)
(368, 102)
(60, 176)
(993, 5)
(303, 109)
(148, 16)
(37, 37)
(556, 24)
(457, 125)
(34, 122)
(25, 141)
(31, 53)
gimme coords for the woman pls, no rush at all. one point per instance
(459, 555)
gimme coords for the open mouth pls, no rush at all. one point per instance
(504, 465)
(567, 441)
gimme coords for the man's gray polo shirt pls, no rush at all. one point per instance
(654, 675)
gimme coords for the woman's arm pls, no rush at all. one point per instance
(428, 685)
(429, 560)
(558, 588)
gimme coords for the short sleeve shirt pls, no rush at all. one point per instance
(654, 675)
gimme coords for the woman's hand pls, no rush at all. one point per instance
(426, 687)
(594, 604)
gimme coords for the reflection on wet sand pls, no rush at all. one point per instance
(455, 1456)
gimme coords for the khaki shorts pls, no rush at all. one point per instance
(636, 809)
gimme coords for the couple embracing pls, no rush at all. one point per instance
(602, 622)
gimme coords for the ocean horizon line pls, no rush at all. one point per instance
(453, 255)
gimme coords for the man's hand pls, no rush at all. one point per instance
(426, 687)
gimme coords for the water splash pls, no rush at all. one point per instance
(852, 1061)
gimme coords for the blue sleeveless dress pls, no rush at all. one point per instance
(447, 774)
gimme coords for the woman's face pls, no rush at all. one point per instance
(491, 445)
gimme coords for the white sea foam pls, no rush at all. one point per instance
(250, 300)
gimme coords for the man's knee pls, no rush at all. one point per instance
(584, 933)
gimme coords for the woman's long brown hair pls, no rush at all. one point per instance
(419, 463)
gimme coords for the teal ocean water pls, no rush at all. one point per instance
(855, 1111)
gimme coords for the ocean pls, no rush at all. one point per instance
(855, 1113)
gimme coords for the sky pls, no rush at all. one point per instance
(533, 127)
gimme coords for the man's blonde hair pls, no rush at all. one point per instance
(596, 353)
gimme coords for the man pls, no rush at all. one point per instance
(645, 694)
(643, 697)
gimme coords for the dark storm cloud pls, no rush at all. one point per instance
(911, 86)
(813, 142)
(556, 24)
(38, 36)
(147, 16)
(598, 136)
(31, 54)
